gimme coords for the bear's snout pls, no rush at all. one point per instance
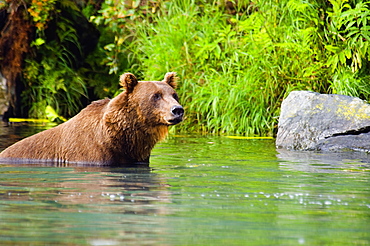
(177, 114)
(177, 111)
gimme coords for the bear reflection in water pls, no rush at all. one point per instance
(117, 131)
(88, 203)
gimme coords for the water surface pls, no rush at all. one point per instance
(198, 190)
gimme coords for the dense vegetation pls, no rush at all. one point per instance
(236, 60)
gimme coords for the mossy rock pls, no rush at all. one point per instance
(313, 121)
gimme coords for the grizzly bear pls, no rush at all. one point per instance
(117, 131)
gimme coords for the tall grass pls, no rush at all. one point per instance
(236, 67)
(51, 80)
(237, 60)
(235, 70)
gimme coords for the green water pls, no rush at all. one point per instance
(198, 191)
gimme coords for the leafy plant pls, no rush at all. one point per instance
(350, 33)
(348, 39)
(235, 69)
(51, 80)
(237, 60)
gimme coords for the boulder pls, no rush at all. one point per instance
(323, 122)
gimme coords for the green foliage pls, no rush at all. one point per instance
(51, 80)
(349, 33)
(236, 60)
(347, 40)
(235, 69)
(40, 12)
(113, 18)
(52, 83)
(57, 74)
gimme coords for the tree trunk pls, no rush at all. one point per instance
(15, 37)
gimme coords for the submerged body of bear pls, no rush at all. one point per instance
(116, 131)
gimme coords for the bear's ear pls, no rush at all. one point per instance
(128, 81)
(171, 79)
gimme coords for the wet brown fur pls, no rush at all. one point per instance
(109, 131)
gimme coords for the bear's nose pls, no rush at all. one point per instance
(177, 111)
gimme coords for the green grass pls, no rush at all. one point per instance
(234, 70)
(235, 67)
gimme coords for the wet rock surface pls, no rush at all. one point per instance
(323, 122)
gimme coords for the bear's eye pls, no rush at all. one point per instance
(175, 96)
(157, 96)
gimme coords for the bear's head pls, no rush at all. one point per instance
(139, 117)
(155, 102)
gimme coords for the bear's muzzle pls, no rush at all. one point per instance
(177, 112)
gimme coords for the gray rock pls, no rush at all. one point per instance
(328, 122)
(359, 142)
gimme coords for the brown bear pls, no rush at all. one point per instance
(117, 131)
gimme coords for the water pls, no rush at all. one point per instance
(197, 191)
